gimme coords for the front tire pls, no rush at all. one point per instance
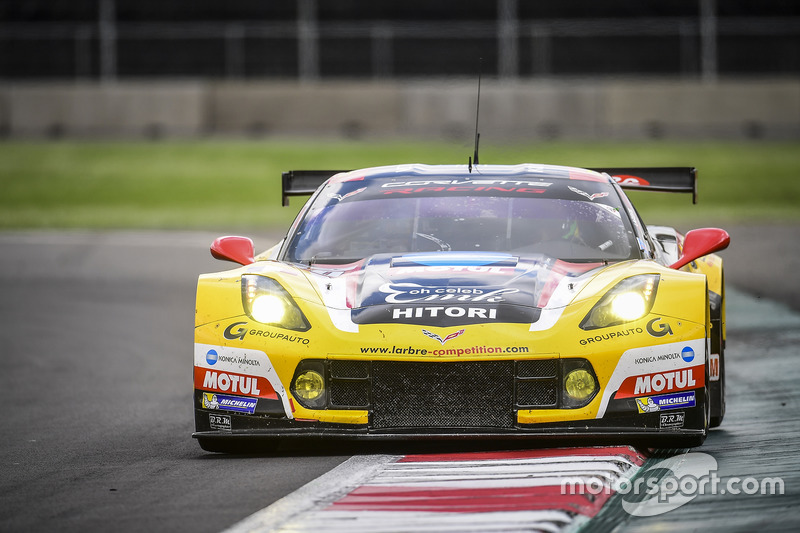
(717, 388)
(697, 440)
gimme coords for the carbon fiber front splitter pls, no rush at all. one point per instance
(588, 432)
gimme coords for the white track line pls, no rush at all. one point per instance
(311, 508)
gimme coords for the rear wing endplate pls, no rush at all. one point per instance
(667, 179)
(304, 182)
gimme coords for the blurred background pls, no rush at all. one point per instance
(182, 114)
(134, 132)
(568, 69)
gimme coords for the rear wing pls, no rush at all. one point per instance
(667, 179)
(304, 182)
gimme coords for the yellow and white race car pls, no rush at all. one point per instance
(455, 301)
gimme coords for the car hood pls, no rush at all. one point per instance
(448, 288)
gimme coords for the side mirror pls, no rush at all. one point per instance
(237, 249)
(700, 242)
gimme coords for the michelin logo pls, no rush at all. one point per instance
(647, 405)
(229, 403)
(651, 404)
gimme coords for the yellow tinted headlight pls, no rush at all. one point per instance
(630, 299)
(629, 306)
(268, 308)
(265, 301)
(309, 385)
(580, 384)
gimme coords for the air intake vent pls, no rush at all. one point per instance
(349, 384)
(475, 394)
(537, 383)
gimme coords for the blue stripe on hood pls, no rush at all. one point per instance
(455, 259)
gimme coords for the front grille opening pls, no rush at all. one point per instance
(461, 394)
(474, 394)
(349, 394)
(537, 393)
(537, 368)
(537, 383)
(347, 369)
(348, 384)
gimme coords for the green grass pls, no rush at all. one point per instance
(236, 184)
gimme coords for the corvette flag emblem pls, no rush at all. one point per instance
(438, 338)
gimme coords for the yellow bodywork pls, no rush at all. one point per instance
(681, 303)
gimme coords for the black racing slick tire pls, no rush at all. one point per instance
(717, 388)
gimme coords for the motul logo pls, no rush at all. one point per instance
(674, 381)
(231, 383)
(667, 381)
(713, 367)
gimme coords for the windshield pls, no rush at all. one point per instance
(571, 220)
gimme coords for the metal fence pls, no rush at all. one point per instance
(705, 46)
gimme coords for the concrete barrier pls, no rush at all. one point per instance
(507, 110)
(727, 110)
(326, 109)
(551, 109)
(106, 110)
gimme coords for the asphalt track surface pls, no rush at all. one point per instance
(96, 343)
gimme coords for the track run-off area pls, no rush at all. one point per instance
(96, 337)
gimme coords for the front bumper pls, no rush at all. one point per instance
(632, 429)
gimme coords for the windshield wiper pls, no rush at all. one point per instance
(443, 246)
(328, 260)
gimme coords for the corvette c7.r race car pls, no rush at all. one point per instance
(454, 301)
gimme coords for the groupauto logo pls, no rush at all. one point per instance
(656, 329)
(235, 331)
(666, 485)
